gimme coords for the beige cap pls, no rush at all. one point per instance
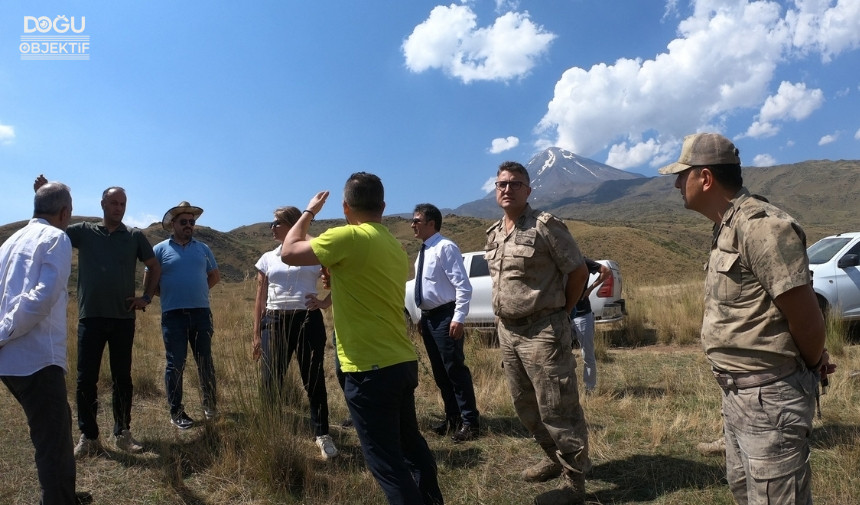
(703, 149)
(182, 208)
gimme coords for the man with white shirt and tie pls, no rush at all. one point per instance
(442, 293)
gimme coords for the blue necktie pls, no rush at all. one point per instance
(419, 274)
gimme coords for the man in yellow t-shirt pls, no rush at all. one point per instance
(368, 269)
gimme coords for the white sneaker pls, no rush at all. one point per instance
(210, 414)
(88, 447)
(125, 442)
(326, 446)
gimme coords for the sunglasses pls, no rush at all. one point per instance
(275, 224)
(183, 222)
(417, 221)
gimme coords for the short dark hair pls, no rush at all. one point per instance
(728, 175)
(430, 213)
(515, 168)
(364, 192)
(51, 198)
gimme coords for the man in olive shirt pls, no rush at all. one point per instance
(538, 275)
(762, 331)
(108, 253)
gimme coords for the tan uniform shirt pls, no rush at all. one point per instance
(758, 253)
(529, 265)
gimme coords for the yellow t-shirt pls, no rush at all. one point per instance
(368, 269)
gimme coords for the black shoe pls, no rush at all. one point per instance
(465, 433)
(181, 420)
(445, 427)
(83, 498)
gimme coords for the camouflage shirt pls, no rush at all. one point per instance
(529, 265)
(758, 253)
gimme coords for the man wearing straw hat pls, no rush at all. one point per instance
(188, 272)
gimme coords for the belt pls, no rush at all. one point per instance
(445, 307)
(283, 313)
(523, 321)
(186, 311)
(733, 381)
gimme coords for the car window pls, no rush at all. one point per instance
(479, 267)
(821, 251)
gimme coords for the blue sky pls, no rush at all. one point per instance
(242, 107)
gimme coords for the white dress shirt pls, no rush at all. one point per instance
(444, 279)
(34, 273)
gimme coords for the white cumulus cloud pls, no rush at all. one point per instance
(792, 101)
(451, 40)
(7, 134)
(489, 185)
(828, 139)
(723, 61)
(500, 145)
(763, 160)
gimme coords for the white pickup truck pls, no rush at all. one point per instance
(835, 265)
(606, 301)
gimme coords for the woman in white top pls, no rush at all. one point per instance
(287, 321)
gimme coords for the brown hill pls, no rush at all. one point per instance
(640, 223)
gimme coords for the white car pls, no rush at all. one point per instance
(606, 301)
(833, 262)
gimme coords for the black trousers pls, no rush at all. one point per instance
(43, 397)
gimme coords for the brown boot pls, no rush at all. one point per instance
(542, 471)
(571, 491)
(715, 448)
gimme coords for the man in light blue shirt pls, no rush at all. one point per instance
(35, 263)
(442, 293)
(188, 272)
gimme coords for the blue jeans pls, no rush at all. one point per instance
(382, 405)
(43, 397)
(93, 334)
(450, 372)
(181, 328)
(584, 327)
(301, 333)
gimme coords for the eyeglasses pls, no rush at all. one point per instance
(417, 221)
(183, 222)
(514, 185)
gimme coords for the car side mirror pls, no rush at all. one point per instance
(849, 260)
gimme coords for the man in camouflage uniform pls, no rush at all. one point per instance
(762, 330)
(538, 275)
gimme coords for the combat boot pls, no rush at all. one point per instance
(571, 490)
(542, 471)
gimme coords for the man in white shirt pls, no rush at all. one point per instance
(34, 271)
(442, 293)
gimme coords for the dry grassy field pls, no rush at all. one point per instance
(656, 400)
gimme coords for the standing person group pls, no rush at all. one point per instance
(108, 253)
(442, 293)
(35, 263)
(284, 325)
(762, 331)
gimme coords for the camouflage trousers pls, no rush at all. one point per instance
(767, 432)
(541, 373)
